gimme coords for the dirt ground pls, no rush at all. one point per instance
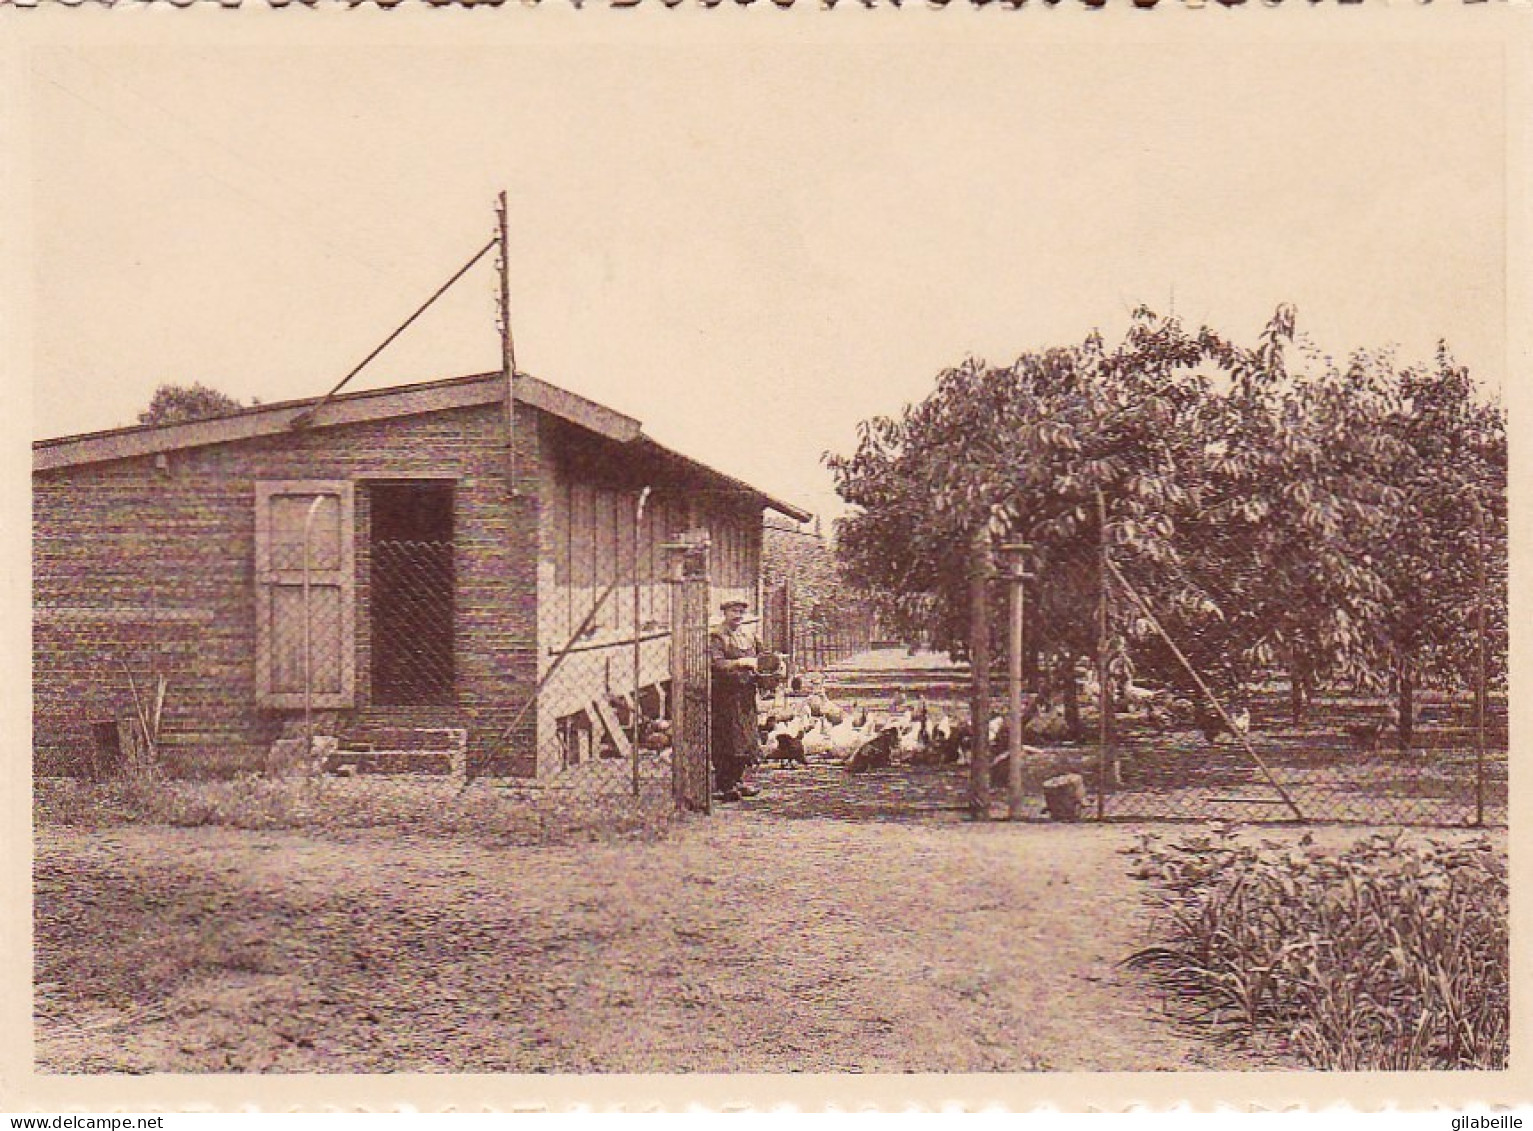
(750, 941)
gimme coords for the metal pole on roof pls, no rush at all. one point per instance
(507, 344)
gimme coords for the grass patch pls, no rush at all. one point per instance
(418, 806)
(1390, 955)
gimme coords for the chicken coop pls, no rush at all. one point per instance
(414, 570)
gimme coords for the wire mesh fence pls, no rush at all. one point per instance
(362, 676)
(1145, 704)
(811, 634)
(1158, 716)
(412, 606)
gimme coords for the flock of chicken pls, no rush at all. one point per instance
(918, 734)
(863, 738)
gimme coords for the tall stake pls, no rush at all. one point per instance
(979, 660)
(1480, 680)
(1017, 574)
(308, 637)
(507, 346)
(1212, 700)
(1104, 690)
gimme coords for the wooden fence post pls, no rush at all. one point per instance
(691, 717)
(1016, 573)
(1481, 686)
(980, 570)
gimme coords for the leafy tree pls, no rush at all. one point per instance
(1286, 501)
(1026, 451)
(1448, 526)
(1264, 509)
(178, 404)
(803, 560)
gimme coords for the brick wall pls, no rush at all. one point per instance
(154, 571)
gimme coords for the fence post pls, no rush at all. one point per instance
(308, 638)
(638, 639)
(1481, 690)
(691, 718)
(1104, 689)
(980, 570)
(1016, 573)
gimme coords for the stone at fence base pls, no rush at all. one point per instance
(1065, 797)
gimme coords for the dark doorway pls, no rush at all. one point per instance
(412, 593)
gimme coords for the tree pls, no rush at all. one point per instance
(820, 599)
(178, 404)
(1027, 450)
(1448, 526)
(1285, 506)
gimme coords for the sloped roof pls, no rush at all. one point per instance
(371, 405)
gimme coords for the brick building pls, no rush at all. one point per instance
(436, 595)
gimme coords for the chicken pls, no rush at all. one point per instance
(938, 733)
(951, 741)
(655, 734)
(785, 743)
(1213, 726)
(875, 753)
(1365, 736)
(913, 738)
(846, 735)
(816, 738)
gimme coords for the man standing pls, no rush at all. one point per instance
(733, 650)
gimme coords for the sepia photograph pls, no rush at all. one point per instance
(816, 543)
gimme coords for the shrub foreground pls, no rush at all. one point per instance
(1392, 954)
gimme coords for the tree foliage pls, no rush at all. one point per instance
(1280, 513)
(178, 404)
(806, 563)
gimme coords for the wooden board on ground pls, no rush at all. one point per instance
(610, 724)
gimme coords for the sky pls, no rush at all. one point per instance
(750, 242)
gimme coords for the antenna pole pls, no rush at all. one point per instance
(507, 345)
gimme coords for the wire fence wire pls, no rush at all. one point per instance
(363, 678)
(814, 636)
(1161, 719)
(1149, 704)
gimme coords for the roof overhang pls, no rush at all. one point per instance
(731, 484)
(374, 405)
(355, 408)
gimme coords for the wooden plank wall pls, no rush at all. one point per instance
(586, 543)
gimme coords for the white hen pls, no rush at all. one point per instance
(847, 735)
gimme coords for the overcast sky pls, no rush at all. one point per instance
(749, 243)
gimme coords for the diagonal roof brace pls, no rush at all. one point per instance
(306, 417)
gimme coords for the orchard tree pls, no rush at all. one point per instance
(820, 597)
(1285, 506)
(1443, 555)
(1027, 451)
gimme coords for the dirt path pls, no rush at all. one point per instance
(743, 943)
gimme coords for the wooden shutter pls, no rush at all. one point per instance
(282, 511)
